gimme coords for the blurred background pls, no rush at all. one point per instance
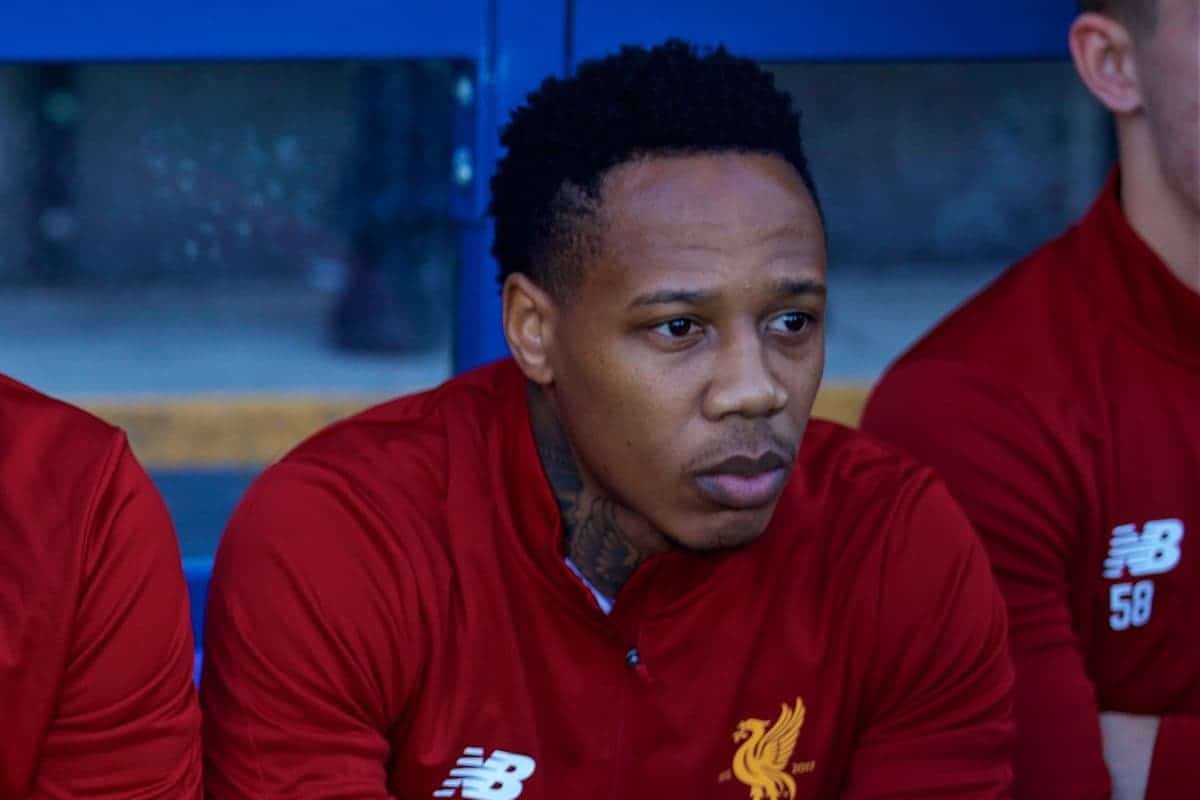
(224, 225)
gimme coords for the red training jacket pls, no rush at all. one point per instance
(391, 614)
(1062, 406)
(96, 693)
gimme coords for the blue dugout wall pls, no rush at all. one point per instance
(513, 44)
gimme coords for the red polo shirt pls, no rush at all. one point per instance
(96, 694)
(391, 614)
(1062, 406)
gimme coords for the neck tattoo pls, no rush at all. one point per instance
(596, 528)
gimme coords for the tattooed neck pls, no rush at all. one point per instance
(604, 540)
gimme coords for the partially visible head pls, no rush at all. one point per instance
(669, 100)
(1139, 16)
(1141, 59)
(663, 261)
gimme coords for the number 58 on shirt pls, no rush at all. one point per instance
(1153, 551)
(1130, 604)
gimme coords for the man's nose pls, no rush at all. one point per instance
(743, 383)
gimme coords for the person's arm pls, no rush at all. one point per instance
(306, 666)
(1012, 471)
(1128, 750)
(127, 722)
(938, 713)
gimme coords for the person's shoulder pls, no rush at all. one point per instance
(1011, 321)
(415, 431)
(868, 495)
(359, 514)
(392, 463)
(1028, 338)
(43, 435)
(36, 426)
(65, 475)
(849, 475)
(837, 461)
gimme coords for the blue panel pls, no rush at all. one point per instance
(198, 572)
(201, 502)
(86, 30)
(478, 337)
(528, 47)
(794, 30)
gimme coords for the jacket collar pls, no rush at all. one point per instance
(659, 586)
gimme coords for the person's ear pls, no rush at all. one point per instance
(1103, 51)
(530, 315)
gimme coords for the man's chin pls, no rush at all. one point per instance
(725, 530)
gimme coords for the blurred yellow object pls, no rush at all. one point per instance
(842, 402)
(222, 430)
(256, 430)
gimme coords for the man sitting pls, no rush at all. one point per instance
(623, 563)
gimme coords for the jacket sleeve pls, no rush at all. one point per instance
(307, 644)
(1022, 487)
(937, 719)
(1175, 768)
(127, 723)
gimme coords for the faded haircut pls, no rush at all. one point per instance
(1138, 15)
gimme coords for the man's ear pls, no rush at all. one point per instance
(1103, 51)
(530, 315)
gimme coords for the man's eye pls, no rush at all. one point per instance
(790, 322)
(676, 328)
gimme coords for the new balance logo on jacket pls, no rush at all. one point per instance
(1156, 550)
(1152, 552)
(501, 776)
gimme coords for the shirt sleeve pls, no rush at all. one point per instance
(1175, 768)
(1011, 469)
(937, 720)
(127, 723)
(305, 669)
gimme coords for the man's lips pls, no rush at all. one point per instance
(743, 482)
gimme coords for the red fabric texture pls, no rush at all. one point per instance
(1060, 405)
(393, 593)
(96, 694)
(1175, 771)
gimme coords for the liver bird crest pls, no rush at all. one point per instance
(762, 761)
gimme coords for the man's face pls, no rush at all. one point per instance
(686, 361)
(1168, 59)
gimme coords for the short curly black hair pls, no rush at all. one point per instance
(1139, 14)
(672, 99)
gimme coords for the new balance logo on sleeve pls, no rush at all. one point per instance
(1152, 552)
(501, 776)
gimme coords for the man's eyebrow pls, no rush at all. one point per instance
(669, 296)
(790, 288)
(695, 297)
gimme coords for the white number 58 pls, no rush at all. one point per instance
(1130, 604)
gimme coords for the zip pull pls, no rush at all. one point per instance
(634, 661)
